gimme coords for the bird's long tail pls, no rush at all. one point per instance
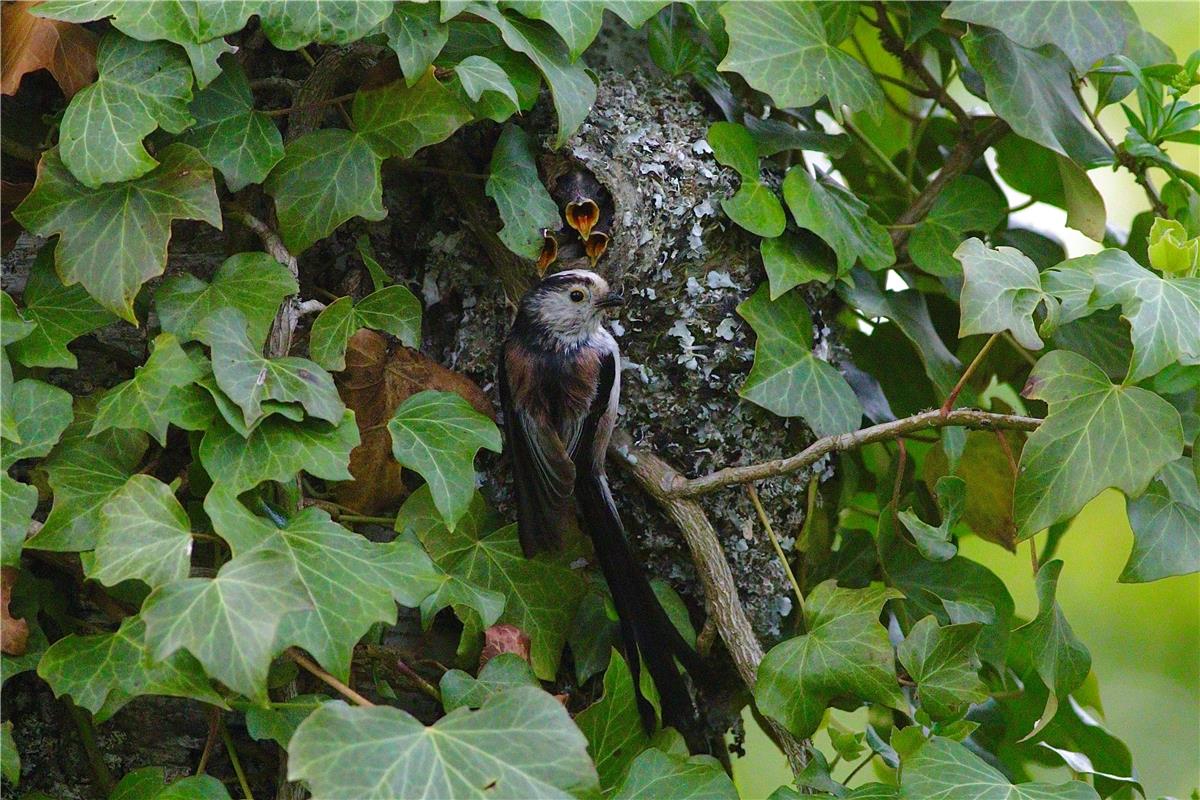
(647, 631)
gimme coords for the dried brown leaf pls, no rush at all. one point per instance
(504, 638)
(29, 43)
(14, 633)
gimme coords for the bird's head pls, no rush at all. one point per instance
(569, 306)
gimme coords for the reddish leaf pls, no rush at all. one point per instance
(14, 633)
(29, 43)
(504, 638)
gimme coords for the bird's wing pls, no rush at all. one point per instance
(543, 474)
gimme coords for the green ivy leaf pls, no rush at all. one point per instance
(1169, 249)
(783, 50)
(291, 24)
(349, 582)
(525, 206)
(277, 449)
(416, 35)
(1096, 435)
(756, 208)
(10, 757)
(179, 21)
(253, 283)
(150, 783)
(142, 85)
(279, 722)
(146, 402)
(1166, 525)
(229, 623)
(248, 378)
(1031, 91)
(478, 76)
(501, 673)
(655, 774)
(1085, 31)
(792, 260)
(42, 412)
(242, 143)
(393, 309)
(437, 435)
(841, 219)
(1163, 314)
(114, 238)
(967, 204)
(1061, 660)
(144, 535)
(844, 653)
(398, 120)
(84, 472)
(103, 672)
(570, 85)
(1001, 290)
(521, 743)
(18, 501)
(13, 326)
(541, 594)
(934, 542)
(943, 768)
(577, 23)
(943, 662)
(59, 314)
(788, 379)
(635, 13)
(613, 726)
(325, 178)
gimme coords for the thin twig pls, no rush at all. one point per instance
(901, 463)
(952, 398)
(878, 154)
(329, 101)
(1124, 157)
(234, 760)
(312, 667)
(1019, 348)
(892, 42)
(422, 684)
(859, 766)
(787, 568)
(87, 737)
(886, 431)
(214, 718)
(364, 518)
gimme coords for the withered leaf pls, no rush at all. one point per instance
(29, 43)
(14, 633)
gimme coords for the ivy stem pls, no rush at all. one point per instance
(329, 101)
(422, 684)
(787, 568)
(951, 398)
(214, 716)
(878, 154)
(234, 760)
(364, 518)
(1021, 351)
(901, 463)
(892, 42)
(904, 226)
(312, 667)
(858, 767)
(1123, 157)
(87, 737)
(1022, 206)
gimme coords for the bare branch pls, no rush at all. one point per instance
(279, 343)
(312, 667)
(680, 487)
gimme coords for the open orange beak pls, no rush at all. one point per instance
(595, 245)
(549, 252)
(583, 216)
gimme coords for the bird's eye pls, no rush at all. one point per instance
(576, 296)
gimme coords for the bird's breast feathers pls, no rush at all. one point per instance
(553, 386)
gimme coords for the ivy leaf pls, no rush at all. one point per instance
(393, 309)
(1166, 525)
(783, 50)
(788, 379)
(655, 774)
(229, 623)
(10, 756)
(613, 726)
(242, 143)
(1061, 660)
(1085, 31)
(349, 582)
(59, 314)
(142, 85)
(570, 85)
(577, 23)
(845, 653)
(84, 472)
(943, 662)
(541, 594)
(501, 673)
(103, 672)
(934, 542)
(278, 449)
(1096, 435)
(42, 412)
(114, 238)
(635, 13)
(437, 435)
(792, 260)
(14, 326)
(525, 206)
(1031, 91)
(520, 744)
(416, 35)
(756, 208)
(145, 402)
(480, 75)
(144, 535)
(943, 768)
(279, 722)
(1163, 314)
(397, 119)
(150, 783)
(325, 178)
(248, 378)
(179, 21)
(253, 283)
(840, 218)
(967, 204)
(291, 24)
(18, 501)
(1001, 289)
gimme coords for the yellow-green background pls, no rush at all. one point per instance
(1144, 638)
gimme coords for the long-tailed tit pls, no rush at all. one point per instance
(560, 382)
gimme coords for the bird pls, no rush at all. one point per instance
(559, 377)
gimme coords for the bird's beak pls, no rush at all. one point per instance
(549, 252)
(595, 246)
(583, 215)
(613, 300)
